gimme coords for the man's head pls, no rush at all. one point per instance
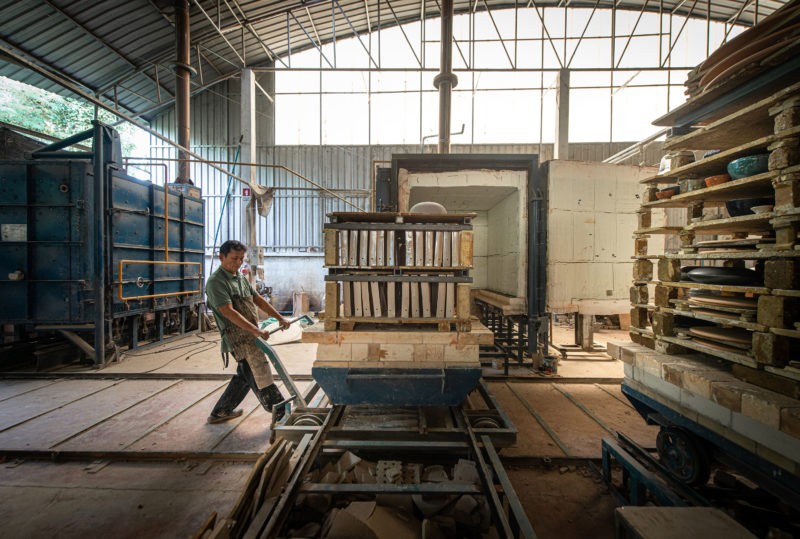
(231, 255)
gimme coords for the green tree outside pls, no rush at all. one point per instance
(38, 110)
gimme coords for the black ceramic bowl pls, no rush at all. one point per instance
(739, 207)
(730, 276)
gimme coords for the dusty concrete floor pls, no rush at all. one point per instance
(171, 498)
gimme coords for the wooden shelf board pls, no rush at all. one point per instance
(734, 255)
(717, 163)
(643, 332)
(787, 293)
(718, 287)
(730, 356)
(659, 230)
(793, 333)
(751, 187)
(734, 129)
(786, 372)
(729, 225)
(717, 320)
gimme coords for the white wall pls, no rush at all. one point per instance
(480, 252)
(506, 251)
(591, 218)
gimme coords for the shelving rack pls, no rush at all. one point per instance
(398, 268)
(769, 125)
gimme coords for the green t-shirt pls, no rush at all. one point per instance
(221, 288)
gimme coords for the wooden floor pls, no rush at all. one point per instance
(126, 442)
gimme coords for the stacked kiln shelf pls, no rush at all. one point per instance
(397, 284)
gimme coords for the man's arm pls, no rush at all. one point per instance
(235, 317)
(270, 310)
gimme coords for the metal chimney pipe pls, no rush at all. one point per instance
(183, 72)
(445, 81)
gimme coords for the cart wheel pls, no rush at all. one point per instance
(683, 455)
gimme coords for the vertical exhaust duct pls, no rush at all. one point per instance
(183, 72)
(445, 81)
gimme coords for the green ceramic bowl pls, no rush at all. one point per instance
(748, 166)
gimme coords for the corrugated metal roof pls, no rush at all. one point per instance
(122, 49)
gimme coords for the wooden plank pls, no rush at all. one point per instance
(182, 433)
(419, 248)
(373, 248)
(365, 303)
(381, 247)
(744, 124)
(425, 291)
(391, 312)
(447, 253)
(40, 401)
(405, 299)
(352, 259)
(437, 249)
(331, 299)
(715, 164)
(409, 260)
(429, 248)
(376, 299)
(344, 247)
(455, 248)
(128, 426)
(347, 298)
(415, 310)
(465, 252)
(390, 248)
(668, 522)
(441, 300)
(65, 421)
(451, 300)
(357, 302)
(331, 247)
(363, 248)
(462, 301)
(12, 388)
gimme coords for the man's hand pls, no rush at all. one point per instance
(263, 334)
(283, 323)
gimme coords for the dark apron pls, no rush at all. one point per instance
(243, 344)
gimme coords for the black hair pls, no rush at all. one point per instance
(231, 245)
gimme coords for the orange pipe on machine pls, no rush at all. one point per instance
(154, 262)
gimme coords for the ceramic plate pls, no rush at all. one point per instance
(735, 302)
(729, 336)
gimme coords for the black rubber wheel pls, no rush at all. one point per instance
(683, 455)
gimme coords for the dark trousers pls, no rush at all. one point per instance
(237, 389)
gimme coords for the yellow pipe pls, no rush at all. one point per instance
(154, 262)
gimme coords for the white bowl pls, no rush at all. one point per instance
(762, 209)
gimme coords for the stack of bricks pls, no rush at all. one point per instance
(413, 349)
(761, 421)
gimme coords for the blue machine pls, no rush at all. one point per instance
(94, 254)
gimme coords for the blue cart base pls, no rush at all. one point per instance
(397, 387)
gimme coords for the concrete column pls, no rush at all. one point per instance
(266, 108)
(248, 124)
(247, 154)
(561, 147)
